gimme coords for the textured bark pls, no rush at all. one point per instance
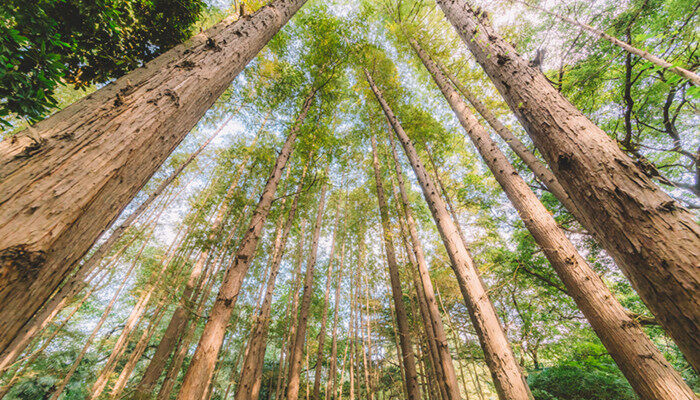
(651, 376)
(251, 373)
(295, 355)
(656, 60)
(201, 368)
(627, 212)
(407, 358)
(507, 376)
(178, 321)
(324, 318)
(62, 189)
(332, 382)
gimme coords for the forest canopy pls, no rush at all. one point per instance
(286, 199)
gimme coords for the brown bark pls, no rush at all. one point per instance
(332, 382)
(64, 183)
(407, 358)
(324, 318)
(651, 376)
(507, 376)
(251, 373)
(295, 355)
(178, 321)
(656, 60)
(201, 369)
(627, 212)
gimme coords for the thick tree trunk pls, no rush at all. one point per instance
(295, 355)
(407, 358)
(251, 372)
(651, 376)
(201, 368)
(332, 382)
(95, 155)
(324, 318)
(508, 378)
(627, 212)
(178, 321)
(656, 60)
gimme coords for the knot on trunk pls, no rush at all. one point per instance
(19, 263)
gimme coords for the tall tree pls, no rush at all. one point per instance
(94, 156)
(627, 211)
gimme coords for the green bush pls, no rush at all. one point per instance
(572, 382)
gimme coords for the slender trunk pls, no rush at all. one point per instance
(508, 377)
(627, 212)
(201, 369)
(435, 331)
(339, 394)
(324, 318)
(407, 358)
(95, 155)
(295, 355)
(644, 366)
(251, 373)
(658, 61)
(332, 369)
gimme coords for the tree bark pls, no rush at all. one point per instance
(627, 211)
(651, 376)
(324, 318)
(251, 373)
(508, 378)
(63, 183)
(295, 355)
(407, 357)
(332, 383)
(201, 368)
(656, 60)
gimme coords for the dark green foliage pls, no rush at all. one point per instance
(47, 43)
(573, 382)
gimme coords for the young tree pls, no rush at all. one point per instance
(627, 211)
(65, 180)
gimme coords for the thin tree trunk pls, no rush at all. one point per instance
(95, 155)
(651, 376)
(251, 373)
(627, 212)
(324, 318)
(508, 377)
(295, 355)
(201, 369)
(339, 394)
(332, 369)
(658, 61)
(407, 358)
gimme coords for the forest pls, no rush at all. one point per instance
(333, 199)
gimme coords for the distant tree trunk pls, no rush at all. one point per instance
(627, 212)
(507, 376)
(324, 318)
(201, 368)
(658, 61)
(178, 321)
(651, 376)
(332, 383)
(295, 355)
(407, 358)
(251, 372)
(95, 155)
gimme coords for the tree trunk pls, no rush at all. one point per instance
(644, 366)
(251, 372)
(407, 358)
(508, 378)
(295, 355)
(658, 61)
(332, 369)
(95, 155)
(324, 318)
(201, 369)
(627, 211)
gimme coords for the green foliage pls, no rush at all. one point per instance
(48, 43)
(575, 382)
